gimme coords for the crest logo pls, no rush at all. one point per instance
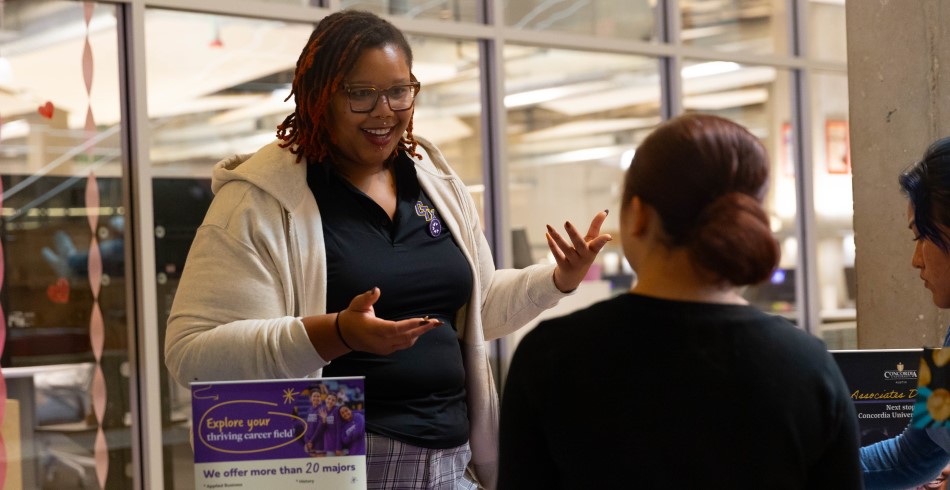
(900, 374)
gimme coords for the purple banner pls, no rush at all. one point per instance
(278, 419)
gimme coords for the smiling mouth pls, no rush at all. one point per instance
(378, 131)
(379, 137)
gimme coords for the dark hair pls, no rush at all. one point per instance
(927, 185)
(331, 52)
(706, 177)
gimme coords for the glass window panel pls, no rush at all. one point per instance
(834, 209)
(449, 106)
(827, 36)
(64, 282)
(574, 121)
(452, 11)
(626, 19)
(748, 26)
(758, 97)
(216, 87)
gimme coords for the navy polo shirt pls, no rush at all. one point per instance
(416, 395)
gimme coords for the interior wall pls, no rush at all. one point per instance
(898, 71)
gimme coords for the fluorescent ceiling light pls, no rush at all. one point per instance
(746, 77)
(535, 97)
(547, 147)
(724, 100)
(579, 128)
(606, 100)
(610, 153)
(548, 94)
(14, 129)
(6, 72)
(709, 68)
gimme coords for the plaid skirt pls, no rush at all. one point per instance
(392, 464)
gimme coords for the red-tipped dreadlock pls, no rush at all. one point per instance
(332, 51)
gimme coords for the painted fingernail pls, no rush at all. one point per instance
(606, 211)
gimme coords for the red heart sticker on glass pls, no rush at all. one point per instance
(46, 110)
(59, 292)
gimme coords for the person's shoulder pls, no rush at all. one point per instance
(273, 169)
(778, 338)
(783, 328)
(430, 158)
(597, 315)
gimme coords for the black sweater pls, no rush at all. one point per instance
(640, 392)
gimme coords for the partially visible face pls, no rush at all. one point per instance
(346, 413)
(331, 401)
(933, 263)
(315, 398)
(367, 139)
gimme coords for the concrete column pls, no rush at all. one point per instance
(899, 91)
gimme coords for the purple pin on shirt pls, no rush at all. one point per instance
(435, 227)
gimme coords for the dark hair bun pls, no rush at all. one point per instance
(733, 240)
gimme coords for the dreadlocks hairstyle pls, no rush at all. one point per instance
(331, 52)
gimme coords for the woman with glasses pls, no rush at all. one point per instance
(350, 246)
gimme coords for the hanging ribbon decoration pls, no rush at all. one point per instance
(3, 339)
(3, 333)
(96, 324)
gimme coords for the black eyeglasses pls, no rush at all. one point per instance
(363, 98)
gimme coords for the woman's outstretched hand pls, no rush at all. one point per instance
(361, 330)
(575, 257)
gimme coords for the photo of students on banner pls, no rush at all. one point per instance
(334, 427)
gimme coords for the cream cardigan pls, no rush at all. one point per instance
(257, 266)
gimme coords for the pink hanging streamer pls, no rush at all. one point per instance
(96, 324)
(3, 382)
(3, 339)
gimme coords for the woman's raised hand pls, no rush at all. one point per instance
(574, 258)
(361, 330)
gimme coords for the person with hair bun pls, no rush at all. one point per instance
(692, 386)
(349, 247)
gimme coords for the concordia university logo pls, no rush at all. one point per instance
(900, 374)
